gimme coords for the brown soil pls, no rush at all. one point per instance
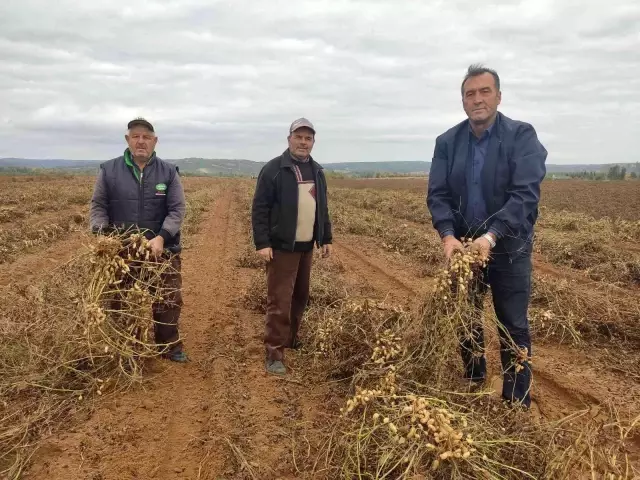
(599, 199)
(541, 265)
(40, 233)
(27, 267)
(361, 257)
(579, 278)
(220, 416)
(201, 419)
(565, 379)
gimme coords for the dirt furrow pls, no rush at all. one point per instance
(542, 265)
(219, 416)
(189, 407)
(564, 378)
(361, 260)
(28, 267)
(247, 427)
(156, 432)
(36, 245)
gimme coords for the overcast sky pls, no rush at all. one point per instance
(379, 79)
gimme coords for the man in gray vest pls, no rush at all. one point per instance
(140, 191)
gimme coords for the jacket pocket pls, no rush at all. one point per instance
(274, 219)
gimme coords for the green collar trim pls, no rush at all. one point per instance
(132, 165)
(134, 168)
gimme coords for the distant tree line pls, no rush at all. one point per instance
(44, 172)
(342, 174)
(588, 175)
(27, 171)
(615, 172)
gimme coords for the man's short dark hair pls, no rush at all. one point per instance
(477, 69)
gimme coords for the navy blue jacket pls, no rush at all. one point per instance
(511, 178)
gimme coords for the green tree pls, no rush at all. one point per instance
(614, 173)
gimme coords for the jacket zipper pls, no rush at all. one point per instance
(293, 248)
(141, 200)
(318, 187)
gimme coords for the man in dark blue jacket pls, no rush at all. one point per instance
(484, 184)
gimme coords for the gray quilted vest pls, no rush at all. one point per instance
(138, 199)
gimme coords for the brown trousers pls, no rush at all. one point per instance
(288, 281)
(167, 313)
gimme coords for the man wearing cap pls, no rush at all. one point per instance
(138, 190)
(290, 216)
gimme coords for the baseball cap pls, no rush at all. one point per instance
(301, 122)
(140, 121)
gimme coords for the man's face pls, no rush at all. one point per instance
(301, 142)
(141, 141)
(480, 98)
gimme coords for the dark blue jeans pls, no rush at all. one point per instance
(509, 277)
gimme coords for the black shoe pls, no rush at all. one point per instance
(515, 405)
(472, 384)
(297, 344)
(179, 356)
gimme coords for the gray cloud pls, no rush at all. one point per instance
(380, 79)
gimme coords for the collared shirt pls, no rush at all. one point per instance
(476, 214)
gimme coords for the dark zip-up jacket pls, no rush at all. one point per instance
(152, 200)
(511, 176)
(274, 212)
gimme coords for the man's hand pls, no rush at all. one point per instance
(326, 250)
(266, 254)
(451, 244)
(483, 246)
(157, 246)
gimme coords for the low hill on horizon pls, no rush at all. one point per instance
(241, 167)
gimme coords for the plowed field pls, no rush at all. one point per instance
(221, 417)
